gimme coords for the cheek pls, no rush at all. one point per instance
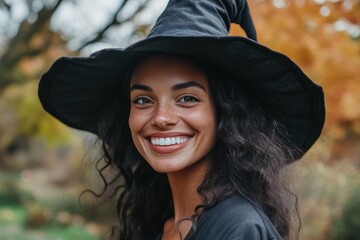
(136, 121)
(203, 120)
(132, 121)
(136, 124)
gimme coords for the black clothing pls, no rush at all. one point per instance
(235, 218)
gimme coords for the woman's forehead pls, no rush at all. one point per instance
(167, 67)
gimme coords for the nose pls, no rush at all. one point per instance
(164, 116)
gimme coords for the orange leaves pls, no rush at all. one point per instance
(323, 38)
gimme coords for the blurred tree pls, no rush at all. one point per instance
(323, 37)
(27, 33)
(34, 33)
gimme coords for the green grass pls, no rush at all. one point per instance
(13, 227)
(10, 215)
(13, 232)
(23, 216)
(75, 233)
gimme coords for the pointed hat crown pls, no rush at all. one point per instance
(203, 18)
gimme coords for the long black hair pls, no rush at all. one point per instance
(249, 159)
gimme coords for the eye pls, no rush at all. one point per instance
(188, 99)
(142, 101)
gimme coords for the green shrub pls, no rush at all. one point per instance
(347, 226)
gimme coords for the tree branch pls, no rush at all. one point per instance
(44, 17)
(6, 5)
(114, 21)
(19, 45)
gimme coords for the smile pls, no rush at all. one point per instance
(168, 141)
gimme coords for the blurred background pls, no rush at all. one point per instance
(45, 166)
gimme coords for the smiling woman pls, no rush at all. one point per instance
(199, 126)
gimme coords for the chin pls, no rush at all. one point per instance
(161, 166)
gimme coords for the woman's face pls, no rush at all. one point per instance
(172, 117)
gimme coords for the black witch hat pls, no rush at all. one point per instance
(76, 89)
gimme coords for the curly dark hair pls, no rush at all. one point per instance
(249, 159)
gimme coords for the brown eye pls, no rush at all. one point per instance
(142, 101)
(188, 99)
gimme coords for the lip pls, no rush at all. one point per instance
(169, 148)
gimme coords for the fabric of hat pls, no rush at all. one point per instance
(76, 89)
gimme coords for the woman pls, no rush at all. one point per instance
(199, 125)
(212, 143)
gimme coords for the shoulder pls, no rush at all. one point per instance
(235, 218)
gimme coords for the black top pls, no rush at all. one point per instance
(235, 218)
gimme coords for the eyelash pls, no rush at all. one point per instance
(137, 101)
(192, 99)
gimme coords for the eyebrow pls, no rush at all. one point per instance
(141, 87)
(187, 85)
(176, 87)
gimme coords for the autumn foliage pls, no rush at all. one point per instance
(323, 37)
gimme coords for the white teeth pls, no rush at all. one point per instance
(168, 141)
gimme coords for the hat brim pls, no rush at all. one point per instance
(75, 89)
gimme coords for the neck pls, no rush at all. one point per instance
(184, 186)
